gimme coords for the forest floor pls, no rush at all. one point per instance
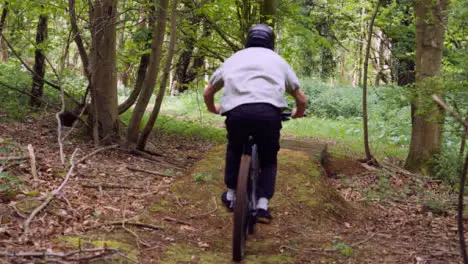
(358, 215)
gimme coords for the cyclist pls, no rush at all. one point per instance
(255, 80)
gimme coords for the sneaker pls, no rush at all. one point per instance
(264, 216)
(227, 203)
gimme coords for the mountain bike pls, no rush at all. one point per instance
(245, 206)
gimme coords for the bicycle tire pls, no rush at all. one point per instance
(254, 174)
(241, 211)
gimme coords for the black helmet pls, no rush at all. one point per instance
(262, 36)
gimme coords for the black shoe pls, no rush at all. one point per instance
(227, 203)
(264, 216)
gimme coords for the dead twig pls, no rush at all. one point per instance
(150, 172)
(12, 158)
(67, 256)
(209, 213)
(119, 223)
(95, 152)
(170, 219)
(13, 205)
(33, 161)
(52, 194)
(155, 159)
(363, 241)
(108, 186)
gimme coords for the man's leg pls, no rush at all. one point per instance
(267, 137)
(237, 136)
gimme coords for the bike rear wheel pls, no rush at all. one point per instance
(241, 210)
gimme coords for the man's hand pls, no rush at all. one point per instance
(301, 103)
(296, 114)
(208, 96)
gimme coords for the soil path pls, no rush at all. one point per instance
(363, 216)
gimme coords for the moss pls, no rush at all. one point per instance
(27, 206)
(184, 253)
(33, 194)
(86, 242)
(161, 206)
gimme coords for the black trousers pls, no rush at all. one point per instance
(263, 122)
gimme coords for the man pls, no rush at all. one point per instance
(255, 80)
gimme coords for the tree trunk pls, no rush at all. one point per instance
(369, 157)
(150, 80)
(268, 12)
(39, 64)
(180, 77)
(162, 88)
(426, 134)
(103, 68)
(144, 62)
(361, 46)
(3, 45)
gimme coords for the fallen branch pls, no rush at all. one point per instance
(66, 256)
(155, 159)
(170, 219)
(363, 241)
(450, 111)
(51, 195)
(209, 213)
(108, 186)
(13, 205)
(119, 223)
(33, 162)
(150, 172)
(95, 152)
(13, 158)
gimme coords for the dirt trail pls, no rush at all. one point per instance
(355, 218)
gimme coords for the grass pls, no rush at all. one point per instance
(186, 115)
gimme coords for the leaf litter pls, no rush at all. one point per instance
(398, 217)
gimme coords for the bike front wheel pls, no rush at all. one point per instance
(241, 211)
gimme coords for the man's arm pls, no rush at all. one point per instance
(301, 103)
(208, 96)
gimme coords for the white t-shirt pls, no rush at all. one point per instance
(254, 75)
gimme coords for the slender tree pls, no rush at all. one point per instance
(39, 64)
(150, 79)
(162, 88)
(143, 66)
(369, 157)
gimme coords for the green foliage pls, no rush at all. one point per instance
(388, 110)
(344, 249)
(448, 165)
(8, 185)
(187, 128)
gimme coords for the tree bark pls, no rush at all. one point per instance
(103, 68)
(3, 45)
(426, 134)
(144, 62)
(150, 80)
(39, 64)
(369, 156)
(162, 88)
(268, 12)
